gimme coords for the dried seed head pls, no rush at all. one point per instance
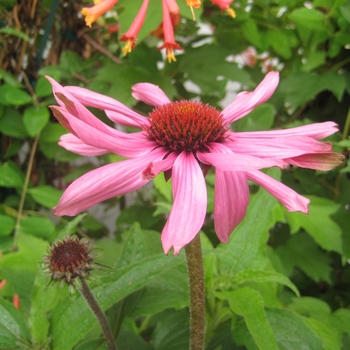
(68, 259)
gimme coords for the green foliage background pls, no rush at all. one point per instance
(283, 280)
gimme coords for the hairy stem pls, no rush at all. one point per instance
(197, 294)
(101, 317)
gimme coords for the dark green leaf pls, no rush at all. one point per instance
(47, 196)
(43, 88)
(11, 123)
(7, 225)
(11, 176)
(37, 226)
(35, 118)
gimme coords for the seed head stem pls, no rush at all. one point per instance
(101, 317)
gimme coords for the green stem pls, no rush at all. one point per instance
(24, 190)
(197, 294)
(101, 317)
(346, 127)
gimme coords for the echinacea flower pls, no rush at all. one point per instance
(184, 139)
(94, 12)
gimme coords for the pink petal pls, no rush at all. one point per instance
(105, 182)
(126, 145)
(190, 203)
(121, 119)
(155, 168)
(75, 145)
(222, 158)
(94, 99)
(289, 198)
(231, 199)
(320, 161)
(275, 147)
(316, 131)
(245, 101)
(151, 94)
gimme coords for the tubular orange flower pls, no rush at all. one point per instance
(193, 4)
(94, 12)
(131, 34)
(225, 5)
(168, 30)
(16, 301)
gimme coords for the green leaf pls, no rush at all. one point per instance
(254, 275)
(11, 123)
(301, 250)
(261, 118)
(15, 96)
(251, 32)
(291, 331)
(43, 88)
(314, 60)
(37, 226)
(13, 328)
(35, 118)
(308, 18)
(318, 223)
(14, 32)
(52, 132)
(246, 248)
(280, 43)
(71, 227)
(115, 287)
(7, 225)
(248, 303)
(171, 331)
(47, 196)
(11, 176)
(138, 213)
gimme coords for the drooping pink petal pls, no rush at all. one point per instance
(190, 203)
(289, 198)
(231, 199)
(73, 144)
(320, 161)
(126, 145)
(105, 182)
(279, 147)
(245, 101)
(155, 168)
(96, 100)
(149, 93)
(316, 131)
(222, 158)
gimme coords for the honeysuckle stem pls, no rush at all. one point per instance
(197, 294)
(101, 317)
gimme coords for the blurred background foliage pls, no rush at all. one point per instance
(283, 280)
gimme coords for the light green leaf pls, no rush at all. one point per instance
(13, 328)
(280, 43)
(251, 32)
(115, 287)
(47, 196)
(11, 123)
(52, 132)
(308, 18)
(14, 32)
(35, 118)
(318, 223)
(7, 225)
(248, 303)
(11, 176)
(71, 227)
(43, 88)
(261, 276)
(37, 226)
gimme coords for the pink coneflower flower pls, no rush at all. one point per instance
(131, 35)
(94, 12)
(184, 139)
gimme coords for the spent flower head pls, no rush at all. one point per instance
(69, 259)
(183, 140)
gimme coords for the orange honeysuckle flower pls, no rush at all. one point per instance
(94, 12)
(193, 4)
(225, 5)
(16, 301)
(168, 31)
(2, 284)
(131, 34)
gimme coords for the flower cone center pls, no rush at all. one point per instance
(185, 126)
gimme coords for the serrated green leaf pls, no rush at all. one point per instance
(13, 328)
(47, 196)
(11, 176)
(319, 223)
(115, 287)
(254, 275)
(35, 118)
(7, 225)
(248, 303)
(37, 226)
(301, 250)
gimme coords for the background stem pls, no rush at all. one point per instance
(197, 294)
